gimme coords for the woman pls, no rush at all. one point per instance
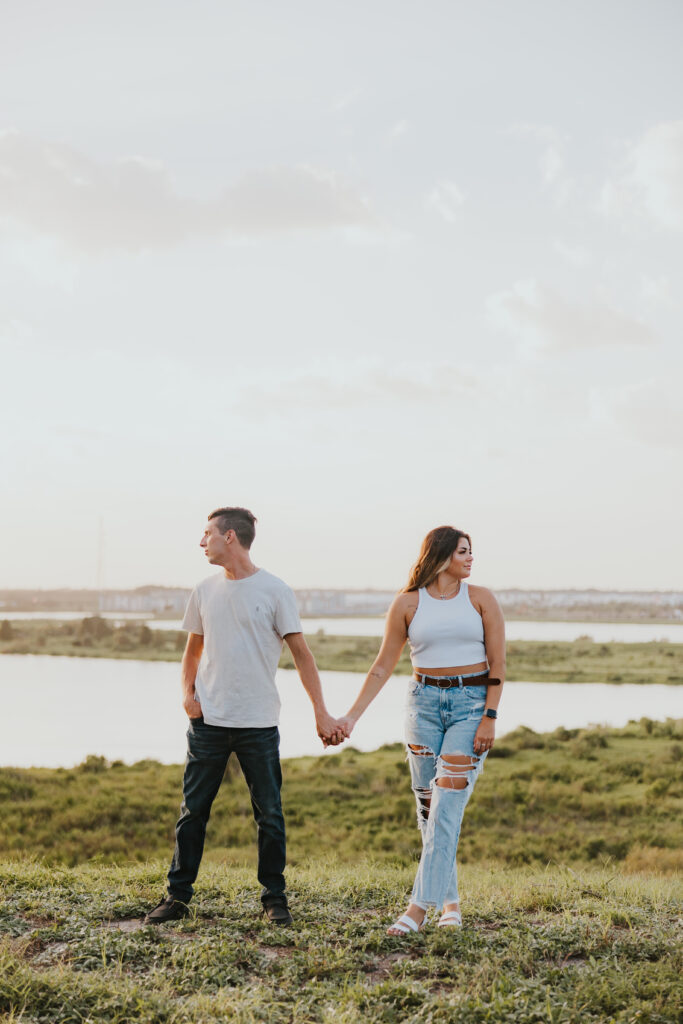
(457, 646)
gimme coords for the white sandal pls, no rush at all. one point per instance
(406, 924)
(450, 919)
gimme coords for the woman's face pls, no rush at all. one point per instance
(461, 559)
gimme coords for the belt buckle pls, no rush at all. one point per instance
(446, 685)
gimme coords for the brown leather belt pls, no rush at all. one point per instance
(446, 682)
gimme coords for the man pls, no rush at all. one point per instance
(236, 622)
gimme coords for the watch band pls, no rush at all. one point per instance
(491, 713)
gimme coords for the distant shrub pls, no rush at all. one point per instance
(593, 848)
(15, 786)
(95, 627)
(123, 641)
(524, 738)
(563, 734)
(93, 764)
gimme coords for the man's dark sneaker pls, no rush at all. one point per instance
(277, 911)
(168, 910)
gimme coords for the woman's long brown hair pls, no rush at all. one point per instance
(435, 554)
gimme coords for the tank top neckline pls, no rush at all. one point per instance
(442, 600)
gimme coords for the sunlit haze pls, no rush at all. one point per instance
(363, 268)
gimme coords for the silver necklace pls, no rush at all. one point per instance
(444, 596)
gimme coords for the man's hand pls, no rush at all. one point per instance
(193, 708)
(329, 729)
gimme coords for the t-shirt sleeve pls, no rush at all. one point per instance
(286, 613)
(192, 620)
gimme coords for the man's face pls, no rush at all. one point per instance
(213, 542)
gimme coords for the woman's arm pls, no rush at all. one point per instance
(494, 642)
(395, 636)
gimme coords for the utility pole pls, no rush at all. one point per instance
(100, 562)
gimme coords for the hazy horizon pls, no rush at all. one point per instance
(365, 270)
(324, 587)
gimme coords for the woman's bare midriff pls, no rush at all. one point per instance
(458, 670)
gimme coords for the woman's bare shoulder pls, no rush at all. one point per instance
(404, 606)
(482, 596)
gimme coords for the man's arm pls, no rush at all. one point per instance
(327, 726)
(188, 674)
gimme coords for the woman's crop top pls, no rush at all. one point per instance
(446, 633)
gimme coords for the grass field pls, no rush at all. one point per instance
(576, 796)
(546, 945)
(581, 661)
(571, 895)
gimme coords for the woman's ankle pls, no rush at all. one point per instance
(417, 913)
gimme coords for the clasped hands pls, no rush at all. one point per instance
(333, 731)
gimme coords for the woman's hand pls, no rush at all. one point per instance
(346, 723)
(485, 735)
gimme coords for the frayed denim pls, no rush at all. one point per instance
(440, 722)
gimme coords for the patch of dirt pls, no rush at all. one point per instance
(578, 962)
(131, 924)
(379, 969)
(39, 922)
(52, 952)
(272, 953)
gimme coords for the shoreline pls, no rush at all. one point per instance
(578, 661)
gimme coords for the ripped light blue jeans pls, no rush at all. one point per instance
(441, 721)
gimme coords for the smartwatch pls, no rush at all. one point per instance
(490, 713)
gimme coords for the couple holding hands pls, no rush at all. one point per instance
(236, 622)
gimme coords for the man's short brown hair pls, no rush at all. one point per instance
(241, 520)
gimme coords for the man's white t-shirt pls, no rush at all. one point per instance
(243, 623)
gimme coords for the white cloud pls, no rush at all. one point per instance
(132, 204)
(342, 101)
(552, 160)
(542, 317)
(577, 255)
(656, 290)
(354, 385)
(445, 199)
(652, 413)
(399, 129)
(649, 184)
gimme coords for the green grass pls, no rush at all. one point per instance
(544, 945)
(575, 796)
(571, 901)
(580, 661)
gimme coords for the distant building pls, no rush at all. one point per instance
(170, 602)
(146, 600)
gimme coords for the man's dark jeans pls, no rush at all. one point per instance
(208, 750)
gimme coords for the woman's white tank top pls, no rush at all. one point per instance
(446, 633)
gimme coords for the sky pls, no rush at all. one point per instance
(364, 268)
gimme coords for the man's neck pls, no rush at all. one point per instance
(240, 569)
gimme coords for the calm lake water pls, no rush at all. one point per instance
(601, 632)
(56, 711)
